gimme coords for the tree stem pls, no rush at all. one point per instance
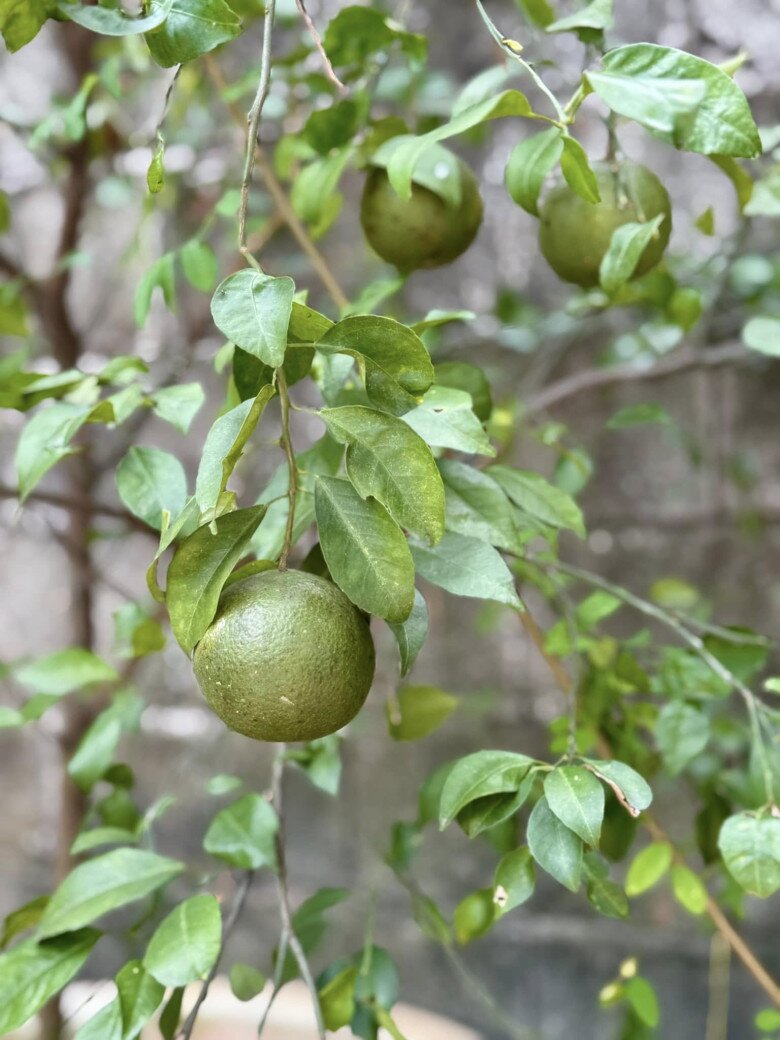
(292, 486)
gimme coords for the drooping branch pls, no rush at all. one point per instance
(326, 62)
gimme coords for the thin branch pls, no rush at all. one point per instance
(714, 912)
(277, 800)
(280, 199)
(253, 128)
(227, 930)
(292, 468)
(281, 957)
(77, 505)
(594, 378)
(326, 62)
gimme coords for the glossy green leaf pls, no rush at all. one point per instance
(21, 20)
(149, 481)
(401, 167)
(171, 1014)
(199, 264)
(763, 335)
(466, 567)
(357, 33)
(105, 1025)
(514, 880)
(200, 568)
(538, 12)
(556, 848)
(683, 99)
(110, 21)
(577, 170)
(689, 889)
(161, 275)
(65, 671)
(641, 996)
(411, 634)
(337, 999)
(44, 440)
(253, 310)
(97, 836)
(474, 916)
(478, 775)
(365, 550)
(445, 419)
(417, 711)
(95, 750)
(24, 917)
(529, 163)
(648, 867)
(155, 173)
(391, 463)
(634, 787)
(595, 15)
(245, 981)
(492, 809)
(750, 846)
(626, 247)
(462, 375)
(681, 732)
(577, 799)
(178, 405)
(607, 897)
(244, 834)
(139, 997)
(542, 500)
(477, 506)
(225, 443)
(105, 883)
(191, 28)
(186, 943)
(32, 973)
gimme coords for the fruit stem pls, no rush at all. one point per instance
(253, 128)
(292, 486)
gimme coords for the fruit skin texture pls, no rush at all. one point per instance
(575, 234)
(287, 658)
(423, 231)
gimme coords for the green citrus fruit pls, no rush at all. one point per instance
(288, 657)
(425, 230)
(575, 234)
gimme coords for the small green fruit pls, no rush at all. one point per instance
(426, 230)
(287, 658)
(574, 234)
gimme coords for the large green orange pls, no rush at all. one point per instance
(425, 230)
(575, 234)
(287, 658)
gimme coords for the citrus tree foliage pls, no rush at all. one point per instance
(406, 487)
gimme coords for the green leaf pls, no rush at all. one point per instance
(155, 174)
(514, 880)
(388, 461)
(199, 264)
(225, 443)
(186, 943)
(178, 405)
(21, 20)
(538, 12)
(65, 671)
(474, 916)
(577, 799)
(139, 997)
(763, 198)
(750, 846)
(639, 415)
(641, 996)
(462, 375)
(96, 748)
(105, 1025)
(648, 867)
(477, 506)
(555, 848)
(401, 167)
(607, 897)
(763, 335)
(44, 440)
(150, 481)
(171, 1014)
(542, 500)
(357, 33)
(161, 275)
(110, 21)
(398, 369)
(320, 761)
(337, 999)
(411, 634)
(681, 732)
(245, 981)
(529, 163)
(191, 28)
(466, 567)
(768, 1020)
(492, 809)
(595, 15)
(97, 836)
(689, 889)
(365, 550)
(24, 917)
(32, 973)
(680, 98)
(626, 247)
(417, 711)
(105, 883)
(199, 569)
(253, 310)
(244, 834)
(577, 170)
(445, 419)
(634, 787)
(478, 775)
(222, 783)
